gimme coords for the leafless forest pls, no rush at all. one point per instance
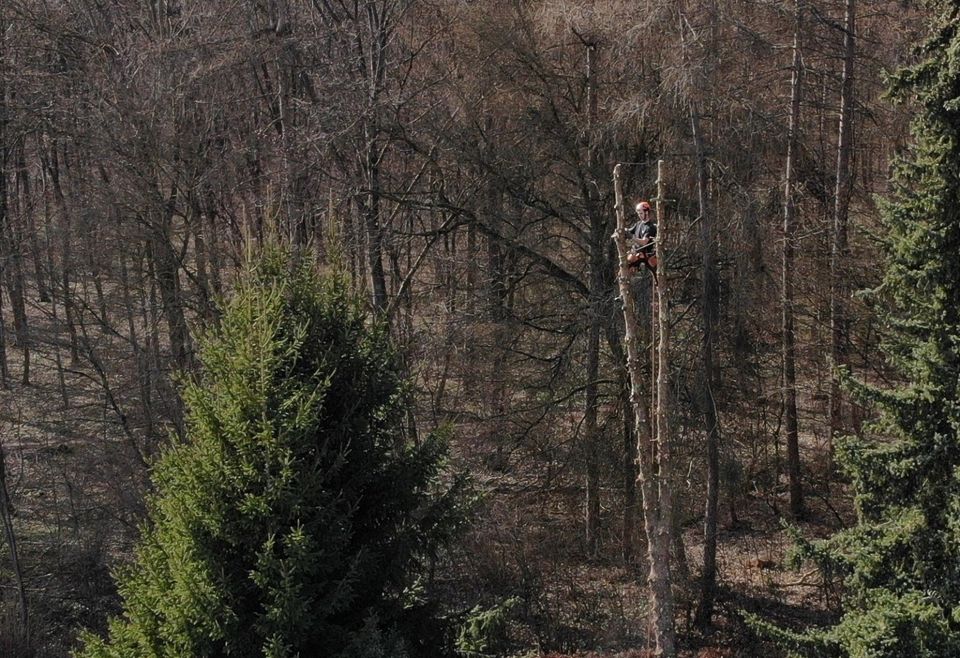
(456, 157)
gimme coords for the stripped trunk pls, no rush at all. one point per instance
(839, 251)
(789, 231)
(654, 455)
(629, 465)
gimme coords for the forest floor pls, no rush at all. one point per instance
(572, 607)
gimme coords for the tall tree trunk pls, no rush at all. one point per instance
(660, 551)
(142, 359)
(4, 207)
(166, 268)
(51, 270)
(839, 251)
(653, 453)
(6, 513)
(708, 374)
(630, 439)
(214, 244)
(373, 223)
(52, 165)
(23, 176)
(789, 235)
(10, 248)
(597, 228)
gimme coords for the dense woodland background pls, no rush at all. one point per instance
(455, 157)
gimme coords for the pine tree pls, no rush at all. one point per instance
(295, 520)
(901, 562)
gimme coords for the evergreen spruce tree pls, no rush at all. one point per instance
(296, 520)
(901, 562)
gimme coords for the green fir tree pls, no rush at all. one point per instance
(900, 563)
(296, 520)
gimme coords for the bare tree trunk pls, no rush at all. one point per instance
(10, 248)
(372, 220)
(201, 254)
(48, 249)
(4, 209)
(839, 251)
(52, 164)
(654, 455)
(23, 176)
(590, 429)
(630, 439)
(660, 551)
(214, 247)
(142, 360)
(789, 235)
(166, 268)
(708, 374)
(48, 244)
(597, 228)
(6, 512)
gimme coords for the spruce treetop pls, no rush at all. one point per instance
(296, 519)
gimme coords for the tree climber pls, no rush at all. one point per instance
(643, 238)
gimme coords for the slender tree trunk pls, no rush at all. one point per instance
(10, 241)
(214, 246)
(595, 314)
(23, 175)
(590, 429)
(6, 512)
(660, 551)
(373, 221)
(51, 269)
(630, 439)
(166, 268)
(4, 208)
(839, 251)
(654, 454)
(708, 307)
(142, 361)
(52, 165)
(789, 231)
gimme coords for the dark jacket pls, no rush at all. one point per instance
(642, 230)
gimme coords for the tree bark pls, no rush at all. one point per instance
(789, 235)
(6, 512)
(10, 241)
(708, 374)
(660, 550)
(630, 438)
(597, 228)
(51, 163)
(166, 269)
(23, 176)
(839, 251)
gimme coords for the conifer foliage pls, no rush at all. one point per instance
(296, 519)
(901, 562)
